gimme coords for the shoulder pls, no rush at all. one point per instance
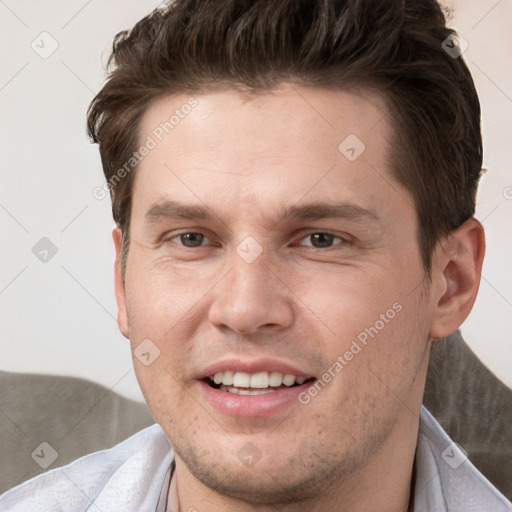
(125, 476)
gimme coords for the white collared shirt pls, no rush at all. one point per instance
(135, 475)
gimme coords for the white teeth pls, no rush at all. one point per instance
(275, 379)
(255, 391)
(241, 380)
(260, 380)
(237, 391)
(289, 380)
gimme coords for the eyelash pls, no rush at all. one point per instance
(344, 241)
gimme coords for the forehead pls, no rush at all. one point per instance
(290, 111)
(278, 146)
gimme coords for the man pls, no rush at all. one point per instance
(293, 185)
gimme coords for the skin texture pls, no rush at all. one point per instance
(351, 447)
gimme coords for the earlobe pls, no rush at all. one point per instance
(457, 268)
(122, 317)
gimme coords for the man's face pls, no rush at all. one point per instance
(262, 284)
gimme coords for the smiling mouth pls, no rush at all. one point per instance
(261, 383)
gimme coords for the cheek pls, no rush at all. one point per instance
(166, 307)
(378, 319)
(159, 296)
(156, 310)
(347, 299)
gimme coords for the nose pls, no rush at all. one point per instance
(251, 298)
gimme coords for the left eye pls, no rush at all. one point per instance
(191, 239)
(321, 240)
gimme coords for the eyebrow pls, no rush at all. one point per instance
(177, 210)
(310, 211)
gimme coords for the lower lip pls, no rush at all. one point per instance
(247, 406)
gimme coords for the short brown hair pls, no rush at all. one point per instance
(392, 46)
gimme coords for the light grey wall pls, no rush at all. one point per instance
(58, 316)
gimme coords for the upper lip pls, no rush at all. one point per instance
(252, 366)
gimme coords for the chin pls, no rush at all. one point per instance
(282, 480)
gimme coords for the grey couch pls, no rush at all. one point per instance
(74, 416)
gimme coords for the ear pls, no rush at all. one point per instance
(456, 270)
(122, 317)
